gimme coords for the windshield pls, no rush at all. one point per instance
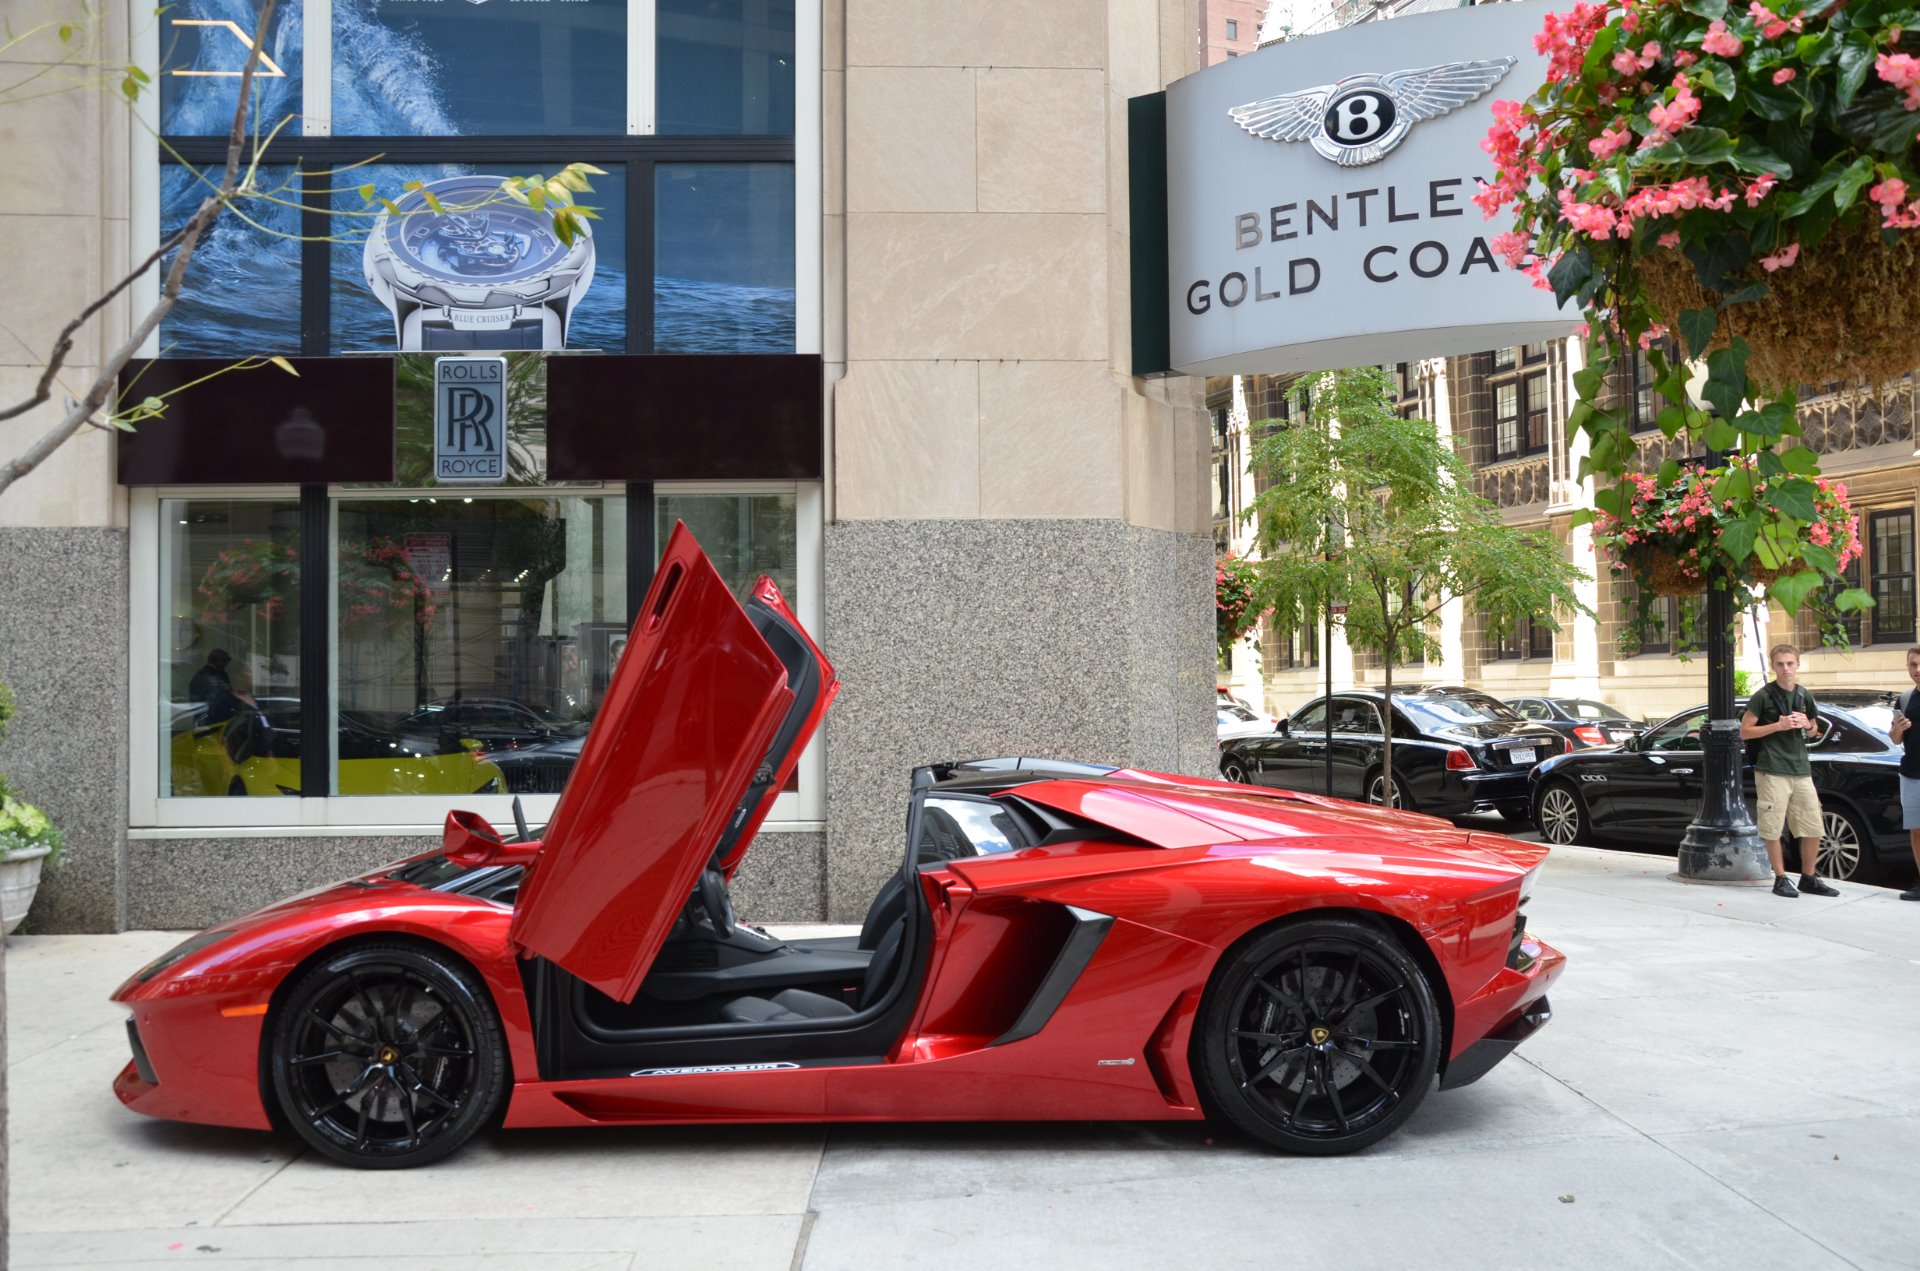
(1235, 714)
(1879, 718)
(1581, 708)
(1455, 708)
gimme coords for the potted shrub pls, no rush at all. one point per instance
(1743, 178)
(28, 842)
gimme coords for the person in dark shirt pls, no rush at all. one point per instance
(211, 687)
(1781, 716)
(1905, 734)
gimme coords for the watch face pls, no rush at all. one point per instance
(481, 235)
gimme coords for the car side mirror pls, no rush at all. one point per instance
(1631, 743)
(1283, 727)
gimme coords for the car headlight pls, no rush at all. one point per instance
(192, 944)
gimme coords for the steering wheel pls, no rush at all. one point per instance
(711, 895)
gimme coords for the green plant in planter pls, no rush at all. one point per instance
(24, 827)
(1740, 178)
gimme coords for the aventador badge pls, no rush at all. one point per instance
(1361, 119)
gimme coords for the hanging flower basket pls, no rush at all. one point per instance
(1233, 611)
(1848, 310)
(1681, 533)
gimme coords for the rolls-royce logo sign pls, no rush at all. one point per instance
(1361, 119)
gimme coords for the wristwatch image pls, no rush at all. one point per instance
(485, 272)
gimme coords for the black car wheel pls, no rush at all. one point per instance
(1377, 792)
(1320, 1036)
(1561, 815)
(387, 1056)
(1846, 853)
(1235, 770)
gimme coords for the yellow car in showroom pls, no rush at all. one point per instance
(257, 752)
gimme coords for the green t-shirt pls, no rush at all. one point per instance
(1784, 752)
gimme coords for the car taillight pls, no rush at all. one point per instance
(1591, 735)
(1458, 760)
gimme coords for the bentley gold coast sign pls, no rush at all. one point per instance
(1320, 198)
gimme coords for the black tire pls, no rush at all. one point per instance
(1846, 850)
(1561, 816)
(1234, 769)
(1377, 790)
(1334, 1068)
(387, 1056)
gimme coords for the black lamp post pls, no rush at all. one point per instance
(1722, 844)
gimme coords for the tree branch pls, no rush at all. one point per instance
(186, 240)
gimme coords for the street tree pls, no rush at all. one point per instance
(68, 55)
(1375, 518)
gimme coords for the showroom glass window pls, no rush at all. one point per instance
(472, 630)
(229, 675)
(692, 255)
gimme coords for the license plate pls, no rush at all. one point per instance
(1520, 754)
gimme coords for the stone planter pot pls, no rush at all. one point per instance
(19, 880)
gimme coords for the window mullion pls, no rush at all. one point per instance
(316, 643)
(316, 73)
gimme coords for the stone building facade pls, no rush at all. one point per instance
(1000, 537)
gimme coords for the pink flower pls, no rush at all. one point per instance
(1721, 42)
(1901, 70)
(1760, 188)
(1670, 239)
(1609, 142)
(1624, 63)
(1683, 58)
(1784, 75)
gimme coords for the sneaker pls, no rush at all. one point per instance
(1783, 886)
(1812, 886)
(1911, 893)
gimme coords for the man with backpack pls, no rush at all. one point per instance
(1906, 712)
(1781, 716)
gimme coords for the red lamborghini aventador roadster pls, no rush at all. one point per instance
(1061, 941)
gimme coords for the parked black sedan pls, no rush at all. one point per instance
(1454, 751)
(1581, 720)
(1649, 789)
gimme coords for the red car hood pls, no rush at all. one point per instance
(702, 723)
(1174, 812)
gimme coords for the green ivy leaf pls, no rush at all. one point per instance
(1610, 499)
(1766, 422)
(1582, 517)
(1770, 463)
(1746, 295)
(1595, 68)
(1708, 9)
(1587, 381)
(1722, 435)
(1672, 420)
(1821, 558)
(1736, 485)
(1669, 472)
(1853, 599)
(1801, 460)
(1696, 327)
(1793, 497)
(1792, 590)
(1736, 538)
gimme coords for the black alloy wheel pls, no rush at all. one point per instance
(1846, 853)
(1235, 770)
(1378, 794)
(386, 1056)
(1561, 815)
(1319, 1036)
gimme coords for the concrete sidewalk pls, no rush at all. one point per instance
(1730, 1080)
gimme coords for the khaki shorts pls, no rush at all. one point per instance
(1786, 803)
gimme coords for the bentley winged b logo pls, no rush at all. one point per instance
(1361, 119)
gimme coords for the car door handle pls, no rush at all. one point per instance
(1683, 772)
